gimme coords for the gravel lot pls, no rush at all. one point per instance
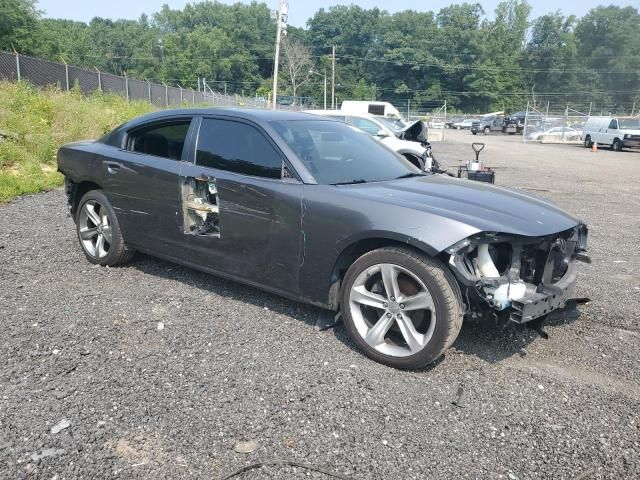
(83, 344)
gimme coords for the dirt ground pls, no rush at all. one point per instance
(159, 371)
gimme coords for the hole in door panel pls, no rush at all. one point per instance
(200, 206)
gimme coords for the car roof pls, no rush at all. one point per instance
(257, 115)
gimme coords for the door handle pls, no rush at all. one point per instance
(113, 167)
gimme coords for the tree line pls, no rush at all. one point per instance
(473, 60)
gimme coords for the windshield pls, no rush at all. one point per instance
(629, 123)
(336, 153)
(394, 124)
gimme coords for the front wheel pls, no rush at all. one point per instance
(99, 232)
(617, 145)
(587, 141)
(486, 130)
(402, 308)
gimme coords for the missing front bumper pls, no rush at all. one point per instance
(545, 299)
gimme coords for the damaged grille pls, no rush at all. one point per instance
(546, 263)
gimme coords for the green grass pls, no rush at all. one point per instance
(38, 121)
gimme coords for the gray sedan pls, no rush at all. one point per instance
(315, 210)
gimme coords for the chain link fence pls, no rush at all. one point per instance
(44, 73)
(553, 125)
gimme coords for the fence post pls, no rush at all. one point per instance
(66, 72)
(99, 79)
(166, 94)
(193, 97)
(17, 64)
(180, 94)
(149, 90)
(526, 119)
(126, 85)
(445, 120)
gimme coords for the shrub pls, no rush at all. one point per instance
(35, 122)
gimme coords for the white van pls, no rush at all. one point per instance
(617, 132)
(383, 109)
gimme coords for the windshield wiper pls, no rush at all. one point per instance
(351, 182)
(409, 175)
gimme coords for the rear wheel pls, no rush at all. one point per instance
(402, 308)
(99, 232)
(587, 141)
(617, 145)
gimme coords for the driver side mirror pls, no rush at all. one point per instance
(382, 134)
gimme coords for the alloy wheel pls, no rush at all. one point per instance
(95, 229)
(392, 310)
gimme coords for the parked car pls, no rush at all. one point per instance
(400, 138)
(450, 123)
(514, 123)
(318, 211)
(465, 124)
(560, 133)
(488, 123)
(617, 132)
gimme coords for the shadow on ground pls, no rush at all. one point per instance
(490, 341)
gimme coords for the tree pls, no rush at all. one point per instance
(297, 63)
(18, 21)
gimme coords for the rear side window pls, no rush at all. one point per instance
(161, 140)
(365, 125)
(237, 147)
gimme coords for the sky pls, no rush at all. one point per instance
(299, 10)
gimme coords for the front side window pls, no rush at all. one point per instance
(613, 125)
(335, 152)
(237, 147)
(161, 140)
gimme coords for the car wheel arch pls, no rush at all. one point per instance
(77, 191)
(354, 250)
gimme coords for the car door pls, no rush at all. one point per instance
(612, 131)
(254, 233)
(142, 177)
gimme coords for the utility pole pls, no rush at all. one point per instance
(333, 78)
(282, 18)
(325, 89)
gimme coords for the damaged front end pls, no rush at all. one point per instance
(522, 278)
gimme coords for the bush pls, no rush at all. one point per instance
(34, 123)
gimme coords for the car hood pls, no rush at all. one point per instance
(415, 132)
(402, 146)
(471, 206)
(630, 131)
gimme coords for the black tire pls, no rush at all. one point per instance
(441, 285)
(486, 130)
(587, 141)
(617, 145)
(117, 253)
(473, 133)
(415, 160)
